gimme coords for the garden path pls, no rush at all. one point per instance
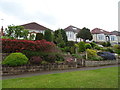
(55, 71)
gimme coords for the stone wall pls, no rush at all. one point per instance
(100, 63)
(34, 68)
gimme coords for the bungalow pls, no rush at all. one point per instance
(71, 32)
(100, 35)
(34, 28)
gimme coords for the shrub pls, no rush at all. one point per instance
(81, 46)
(117, 49)
(96, 58)
(88, 46)
(50, 58)
(39, 36)
(9, 46)
(91, 53)
(53, 57)
(93, 44)
(15, 59)
(109, 50)
(77, 56)
(48, 35)
(70, 43)
(106, 44)
(67, 49)
(97, 47)
(72, 50)
(103, 44)
(35, 60)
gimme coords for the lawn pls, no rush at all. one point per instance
(99, 78)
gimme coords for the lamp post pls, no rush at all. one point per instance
(2, 27)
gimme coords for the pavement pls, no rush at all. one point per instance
(29, 74)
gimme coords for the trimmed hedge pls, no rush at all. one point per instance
(15, 59)
(10, 46)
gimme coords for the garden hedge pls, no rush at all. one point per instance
(10, 46)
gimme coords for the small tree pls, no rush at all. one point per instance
(16, 32)
(81, 46)
(48, 35)
(25, 33)
(39, 36)
(85, 34)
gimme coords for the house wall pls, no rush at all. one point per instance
(113, 39)
(72, 36)
(99, 37)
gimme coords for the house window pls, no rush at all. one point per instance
(112, 38)
(100, 37)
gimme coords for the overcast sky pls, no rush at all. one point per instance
(56, 14)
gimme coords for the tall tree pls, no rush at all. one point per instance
(64, 36)
(48, 35)
(59, 39)
(61, 34)
(85, 34)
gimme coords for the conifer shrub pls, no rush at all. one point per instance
(81, 46)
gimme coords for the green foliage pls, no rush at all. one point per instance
(39, 36)
(60, 38)
(51, 58)
(64, 36)
(70, 43)
(93, 44)
(48, 35)
(85, 34)
(16, 32)
(88, 46)
(109, 50)
(15, 59)
(7, 37)
(32, 36)
(106, 44)
(91, 53)
(24, 34)
(77, 56)
(81, 46)
(72, 50)
(117, 48)
(98, 47)
(96, 58)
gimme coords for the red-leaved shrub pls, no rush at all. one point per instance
(9, 46)
(35, 60)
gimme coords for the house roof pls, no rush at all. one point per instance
(34, 26)
(100, 31)
(72, 28)
(117, 33)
